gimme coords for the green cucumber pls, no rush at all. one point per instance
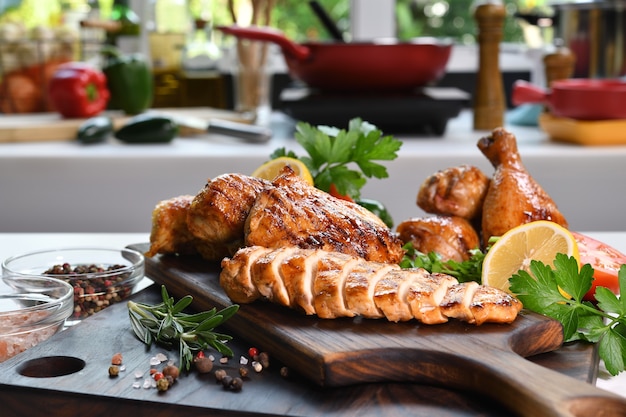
(94, 130)
(148, 128)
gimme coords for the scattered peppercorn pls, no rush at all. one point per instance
(252, 352)
(257, 366)
(219, 375)
(226, 381)
(236, 384)
(243, 371)
(264, 359)
(114, 370)
(171, 371)
(203, 364)
(162, 384)
(116, 359)
(158, 376)
(284, 372)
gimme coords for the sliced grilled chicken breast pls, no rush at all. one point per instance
(332, 284)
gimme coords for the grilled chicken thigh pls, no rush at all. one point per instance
(331, 284)
(455, 191)
(293, 213)
(513, 197)
(451, 237)
(170, 235)
(219, 211)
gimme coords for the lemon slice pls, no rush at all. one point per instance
(271, 169)
(540, 240)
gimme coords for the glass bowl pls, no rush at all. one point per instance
(100, 276)
(32, 308)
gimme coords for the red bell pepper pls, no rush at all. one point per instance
(78, 89)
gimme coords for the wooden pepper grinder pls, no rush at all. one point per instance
(489, 100)
(559, 65)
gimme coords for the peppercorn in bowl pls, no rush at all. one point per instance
(32, 308)
(99, 276)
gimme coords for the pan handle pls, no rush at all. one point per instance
(267, 34)
(524, 92)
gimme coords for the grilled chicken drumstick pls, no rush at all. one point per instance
(514, 197)
(331, 284)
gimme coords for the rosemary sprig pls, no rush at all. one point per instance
(166, 324)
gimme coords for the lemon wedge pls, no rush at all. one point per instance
(540, 240)
(271, 169)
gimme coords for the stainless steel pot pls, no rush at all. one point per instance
(595, 32)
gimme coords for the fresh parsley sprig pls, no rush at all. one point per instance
(167, 325)
(468, 270)
(604, 324)
(334, 154)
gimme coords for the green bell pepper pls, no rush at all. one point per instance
(129, 80)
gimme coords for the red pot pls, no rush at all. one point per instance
(576, 98)
(358, 66)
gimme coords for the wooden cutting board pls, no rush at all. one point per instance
(47, 127)
(487, 359)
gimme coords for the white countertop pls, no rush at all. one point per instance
(16, 243)
(113, 187)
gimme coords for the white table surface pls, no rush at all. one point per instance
(113, 187)
(15, 243)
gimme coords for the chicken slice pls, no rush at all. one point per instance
(219, 211)
(266, 277)
(489, 304)
(236, 275)
(426, 294)
(390, 294)
(294, 213)
(360, 285)
(457, 301)
(451, 237)
(328, 286)
(455, 191)
(297, 272)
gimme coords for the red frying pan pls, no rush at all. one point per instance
(576, 98)
(360, 66)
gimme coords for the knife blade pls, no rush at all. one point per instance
(248, 132)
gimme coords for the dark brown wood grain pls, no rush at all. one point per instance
(448, 370)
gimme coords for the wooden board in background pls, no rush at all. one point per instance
(50, 127)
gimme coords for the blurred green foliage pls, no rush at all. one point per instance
(439, 18)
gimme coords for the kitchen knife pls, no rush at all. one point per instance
(247, 132)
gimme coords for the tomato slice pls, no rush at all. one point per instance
(335, 193)
(604, 259)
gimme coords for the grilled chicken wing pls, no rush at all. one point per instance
(514, 197)
(219, 211)
(170, 235)
(455, 191)
(451, 237)
(331, 284)
(293, 213)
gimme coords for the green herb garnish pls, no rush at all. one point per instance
(604, 324)
(334, 154)
(469, 270)
(167, 325)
